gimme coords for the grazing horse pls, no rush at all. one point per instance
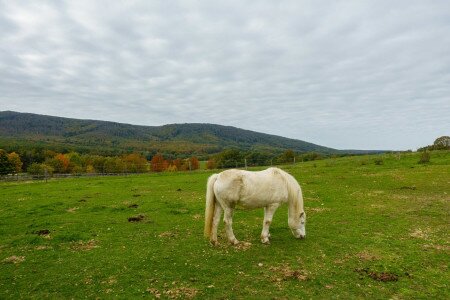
(269, 189)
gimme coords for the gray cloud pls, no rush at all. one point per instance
(344, 74)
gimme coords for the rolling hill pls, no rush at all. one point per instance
(30, 131)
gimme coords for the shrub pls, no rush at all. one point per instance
(379, 161)
(424, 157)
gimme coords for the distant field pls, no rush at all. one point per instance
(373, 231)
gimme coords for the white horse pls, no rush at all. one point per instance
(269, 189)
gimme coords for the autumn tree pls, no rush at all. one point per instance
(15, 161)
(75, 163)
(135, 163)
(179, 164)
(194, 164)
(157, 163)
(60, 163)
(98, 162)
(6, 167)
(113, 165)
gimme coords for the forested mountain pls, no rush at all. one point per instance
(31, 131)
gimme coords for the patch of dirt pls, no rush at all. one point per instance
(243, 246)
(82, 200)
(168, 234)
(378, 276)
(42, 232)
(318, 209)
(110, 281)
(413, 188)
(437, 247)
(84, 246)
(136, 195)
(14, 259)
(285, 272)
(43, 247)
(181, 292)
(367, 256)
(420, 234)
(137, 218)
(154, 292)
(173, 293)
(179, 190)
(72, 209)
(133, 206)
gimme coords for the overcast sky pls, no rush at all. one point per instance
(343, 74)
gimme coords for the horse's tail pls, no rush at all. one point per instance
(210, 204)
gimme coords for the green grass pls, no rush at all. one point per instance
(366, 221)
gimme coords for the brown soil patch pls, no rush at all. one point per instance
(378, 276)
(408, 188)
(137, 218)
(367, 256)
(243, 246)
(169, 234)
(42, 247)
(181, 292)
(154, 292)
(318, 209)
(42, 232)
(420, 234)
(110, 281)
(133, 206)
(84, 246)
(136, 195)
(14, 259)
(437, 247)
(174, 293)
(72, 209)
(285, 272)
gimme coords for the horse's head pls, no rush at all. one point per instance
(299, 230)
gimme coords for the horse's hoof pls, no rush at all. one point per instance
(234, 242)
(214, 243)
(265, 241)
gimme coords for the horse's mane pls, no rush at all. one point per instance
(292, 186)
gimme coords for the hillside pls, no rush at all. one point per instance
(25, 130)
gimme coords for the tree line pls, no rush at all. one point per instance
(49, 162)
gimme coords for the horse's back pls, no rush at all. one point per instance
(251, 189)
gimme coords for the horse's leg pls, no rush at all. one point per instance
(268, 215)
(216, 220)
(228, 219)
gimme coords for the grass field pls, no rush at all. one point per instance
(373, 231)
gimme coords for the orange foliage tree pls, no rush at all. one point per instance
(194, 163)
(62, 163)
(157, 163)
